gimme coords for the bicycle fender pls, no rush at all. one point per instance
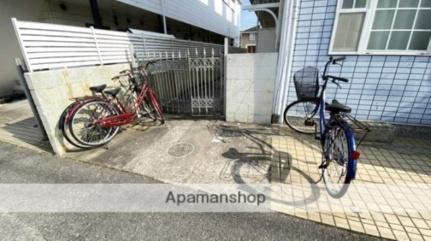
(352, 164)
(79, 102)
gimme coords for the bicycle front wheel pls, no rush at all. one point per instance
(302, 116)
(339, 167)
(83, 124)
(155, 105)
(147, 113)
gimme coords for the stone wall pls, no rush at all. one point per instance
(250, 87)
(52, 92)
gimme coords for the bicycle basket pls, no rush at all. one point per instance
(307, 83)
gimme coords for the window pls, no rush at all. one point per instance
(251, 49)
(252, 37)
(382, 27)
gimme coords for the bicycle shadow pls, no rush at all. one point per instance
(263, 158)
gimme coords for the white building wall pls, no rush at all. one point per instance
(392, 88)
(250, 87)
(219, 16)
(9, 48)
(266, 40)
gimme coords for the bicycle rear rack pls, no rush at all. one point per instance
(358, 125)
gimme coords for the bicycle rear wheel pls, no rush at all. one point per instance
(65, 127)
(83, 124)
(302, 116)
(339, 167)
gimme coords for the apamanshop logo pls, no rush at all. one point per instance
(212, 198)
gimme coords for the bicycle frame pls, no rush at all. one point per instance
(322, 119)
(127, 116)
(324, 124)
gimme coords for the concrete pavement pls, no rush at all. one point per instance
(19, 165)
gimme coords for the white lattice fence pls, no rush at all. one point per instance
(51, 46)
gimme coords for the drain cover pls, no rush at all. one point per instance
(181, 149)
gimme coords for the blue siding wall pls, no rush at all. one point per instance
(388, 88)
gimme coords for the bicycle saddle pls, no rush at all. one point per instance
(337, 107)
(98, 88)
(113, 92)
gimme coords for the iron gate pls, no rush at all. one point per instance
(190, 85)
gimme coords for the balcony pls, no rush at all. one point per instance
(265, 19)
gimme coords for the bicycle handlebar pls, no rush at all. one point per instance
(326, 77)
(150, 62)
(125, 72)
(336, 60)
(129, 73)
(337, 78)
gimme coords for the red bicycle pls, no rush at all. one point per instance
(93, 121)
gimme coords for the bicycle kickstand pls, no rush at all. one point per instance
(323, 165)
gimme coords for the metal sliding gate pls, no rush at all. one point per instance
(190, 85)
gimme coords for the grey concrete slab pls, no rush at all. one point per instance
(190, 151)
(18, 126)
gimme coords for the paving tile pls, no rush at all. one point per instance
(328, 219)
(400, 235)
(371, 229)
(392, 219)
(356, 226)
(425, 232)
(382, 225)
(406, 221)
(415, 237)
(394, 215)
(314, 216)
(301, 215)
(397, 227)
(341, 223)
(378, 216)
(386, 233)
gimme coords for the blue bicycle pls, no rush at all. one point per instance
(339, 154)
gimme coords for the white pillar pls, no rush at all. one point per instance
(288, 23)
(226, 46)
(163, 4)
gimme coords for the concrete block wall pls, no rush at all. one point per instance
(250, 87)
(52, 92)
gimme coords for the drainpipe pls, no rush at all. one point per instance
(285, 56)
(278, 29)
(96, 14)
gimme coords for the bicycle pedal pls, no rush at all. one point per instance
(309, 123)
(323, 166)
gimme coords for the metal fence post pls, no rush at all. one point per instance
(189, 77)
